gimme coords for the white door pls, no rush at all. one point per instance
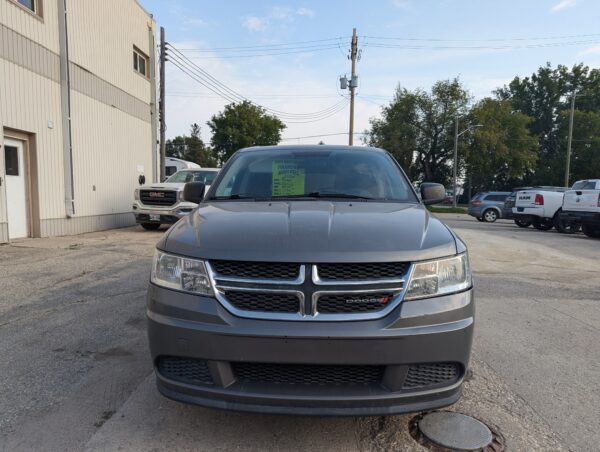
(16, 194)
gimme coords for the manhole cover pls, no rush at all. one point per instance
(445, 430)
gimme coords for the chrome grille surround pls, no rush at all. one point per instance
(308, 290)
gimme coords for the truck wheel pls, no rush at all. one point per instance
(543, 224)
(523, 223)
(150, 226)
(565, 226)
(490, 215)
(591, 231)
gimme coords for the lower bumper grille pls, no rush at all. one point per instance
(263, 301)
(423, 375)
(185, 370)
(308, 374)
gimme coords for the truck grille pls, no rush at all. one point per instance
(256, 270)
(263, 301)
(308, 374)
(366, 271)
(353, 302)
(162, 198)
(186, 370)
(430, 374)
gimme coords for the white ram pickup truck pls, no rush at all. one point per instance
(581, 206)
(157, 204)
(539, 205)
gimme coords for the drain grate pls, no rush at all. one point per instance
(436, 431)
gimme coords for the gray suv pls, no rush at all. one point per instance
(488, 206)
(311, 280)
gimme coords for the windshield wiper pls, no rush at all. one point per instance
(318, 194)
(233, 196)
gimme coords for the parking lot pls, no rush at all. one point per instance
(75, 372)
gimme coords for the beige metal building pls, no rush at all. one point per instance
(77, 114)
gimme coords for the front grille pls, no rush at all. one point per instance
(185, 370)
(257, 270)
(308, 374)
(349, 303)
(430, 374)
(345, 272)
(263, 301)
(158, 197)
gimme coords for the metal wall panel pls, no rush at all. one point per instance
(111, 115)
(42, 30)
(118, 25)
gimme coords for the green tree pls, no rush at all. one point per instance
(191, 148)
(417, 127)
(544, 96)
(500, 152)
(585, 148)
(241, 125)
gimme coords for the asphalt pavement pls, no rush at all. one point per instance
(75, 372)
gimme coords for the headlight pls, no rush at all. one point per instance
(439, 277)
(180, 273)
(136, 194)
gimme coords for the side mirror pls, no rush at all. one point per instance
(432, 193)
(193, 192)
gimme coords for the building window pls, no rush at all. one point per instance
(33, 6)
(140, 62)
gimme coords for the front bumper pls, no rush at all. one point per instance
(581, 217)
(168, 215)
(416, 333)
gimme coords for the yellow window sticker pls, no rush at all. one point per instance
(288, 179)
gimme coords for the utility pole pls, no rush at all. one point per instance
(353, 84)
(570, 139)
(161, 104)
(455, 159)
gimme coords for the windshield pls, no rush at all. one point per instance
(584, 185)
(205, 177)
(273, 174)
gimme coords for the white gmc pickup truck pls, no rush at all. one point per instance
(539, 205)
(581, 206)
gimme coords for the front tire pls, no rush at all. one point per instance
(523, 223)
(490, 215)
(543, 224)
(150, 226)
(591, 231)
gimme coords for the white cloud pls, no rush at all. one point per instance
(254, 23)
(402, 4)
(563, 4)
(305, 12)
(277, 14)
(590, 51)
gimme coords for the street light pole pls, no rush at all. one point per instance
(456, 135)
(570, 140)
(455, 159)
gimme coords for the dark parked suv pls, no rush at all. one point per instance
(311, 280)
(488, 206)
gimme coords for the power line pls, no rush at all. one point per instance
(264, 46)
(231, 95)
(212, 84)
(484, 39)
(460, 47)
(322, 135)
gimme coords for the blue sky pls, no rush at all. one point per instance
(306, 81)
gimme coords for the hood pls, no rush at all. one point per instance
(310, 232)
(177, 186)
(164, 185)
